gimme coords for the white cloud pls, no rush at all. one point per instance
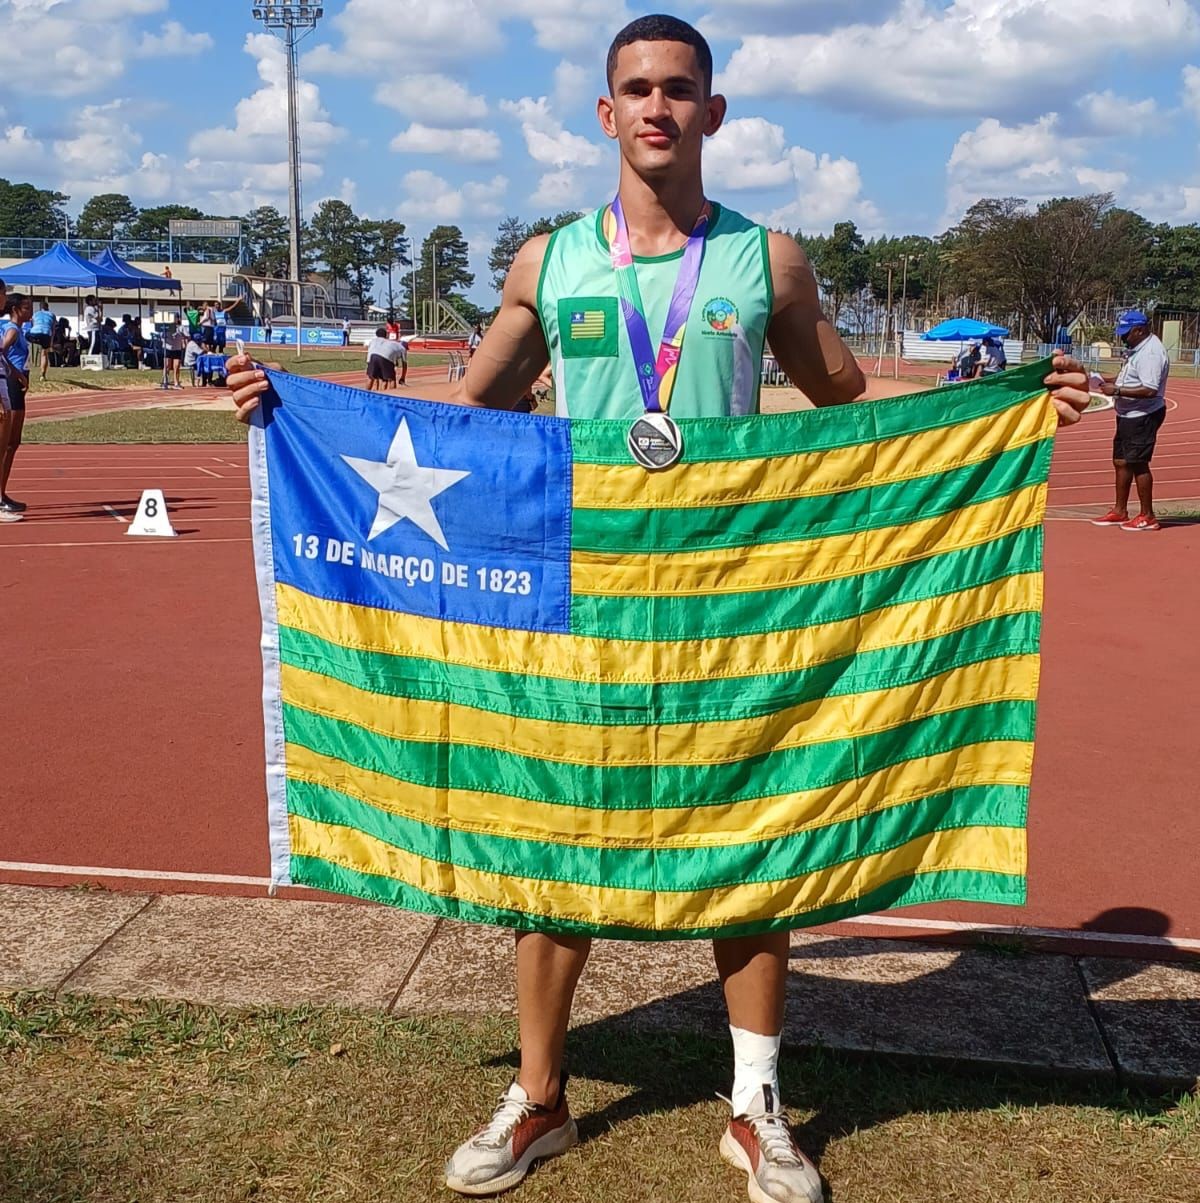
(970, 55)
(1177, 204)
(752, 154)
(259, 134)
(173, 39)
(1106, 114)
(1036, 160)
(467, 145)
(573, 85)
(557, 190)
(747, 152)
(546, 139)
(20, 152)
(391, 36)
(434, 100)
(569, 25)
(1191, 90)
(429, 196)
(735, 18)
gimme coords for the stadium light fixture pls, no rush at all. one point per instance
(292, 23)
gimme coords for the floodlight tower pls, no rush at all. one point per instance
(292, 23)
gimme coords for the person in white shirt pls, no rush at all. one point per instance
(383, 354)
(175, 342)
(1139, 396)
(345, 332)
(994, 358)
(90, 335)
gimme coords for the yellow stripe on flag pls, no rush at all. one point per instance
(728, 482)
(783, 565)
(979, 849)
(616, 661)
(836, 717)
(994, 763)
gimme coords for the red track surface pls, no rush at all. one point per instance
(132, 698)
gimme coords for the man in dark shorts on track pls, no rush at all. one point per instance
(383, 354)
(1139, 397)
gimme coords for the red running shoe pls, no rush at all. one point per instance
(1142, 522)
(504, 1150)
(761, 1145)
(1112, 518)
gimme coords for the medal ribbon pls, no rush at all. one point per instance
(656, 374)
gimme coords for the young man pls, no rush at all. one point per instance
(1139, 396)
(382, 357)
(561, 301)
(41, 334)
(175, 342)
(345, 332)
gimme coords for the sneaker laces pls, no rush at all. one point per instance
(775, 1138)
(508, 1115)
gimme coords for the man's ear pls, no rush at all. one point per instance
(608, 118)
(717, 108)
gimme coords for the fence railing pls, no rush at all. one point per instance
(146, 250)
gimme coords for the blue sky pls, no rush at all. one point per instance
(894, 113)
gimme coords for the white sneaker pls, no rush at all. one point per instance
(776, 1171)
(504, 1150)
(10, 516)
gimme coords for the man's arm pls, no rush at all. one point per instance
(801, 337)
(513, 353)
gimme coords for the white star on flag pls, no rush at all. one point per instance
(405, 488)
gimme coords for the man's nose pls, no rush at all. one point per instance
(656, 104)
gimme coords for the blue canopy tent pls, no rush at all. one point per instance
(959, 329)
(61, 267)
(110, 263)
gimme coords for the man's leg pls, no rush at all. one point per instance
(1124, 482)
(548, 969)
(1144, 479)
(758, 1141)
(532, 1121)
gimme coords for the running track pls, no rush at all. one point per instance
(133, 716)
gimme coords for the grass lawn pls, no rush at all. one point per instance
(142, 426)
(312, 363)
(171, 1103)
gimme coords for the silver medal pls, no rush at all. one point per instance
(655, 441)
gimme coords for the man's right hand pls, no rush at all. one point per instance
(247, 382)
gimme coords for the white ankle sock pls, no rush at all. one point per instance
(755, 1065)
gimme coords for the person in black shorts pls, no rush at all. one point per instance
(382, 356)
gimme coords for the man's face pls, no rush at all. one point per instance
(658, 112)
(1131, 338)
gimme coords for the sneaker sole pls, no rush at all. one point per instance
(553, 1144)
(737, 1157)
(1098, 522)
(1141, 530)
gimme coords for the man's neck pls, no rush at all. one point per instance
(660, 214)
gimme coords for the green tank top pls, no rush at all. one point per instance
(720, 368)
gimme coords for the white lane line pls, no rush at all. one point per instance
(118, 517)
(208, 473)
(225, 879)
(1040, 933)
(123, 542)
(1187, 480)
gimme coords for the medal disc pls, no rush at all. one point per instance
(655, 441)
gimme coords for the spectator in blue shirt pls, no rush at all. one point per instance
(41, 334)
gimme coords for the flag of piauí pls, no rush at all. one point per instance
(512, 677)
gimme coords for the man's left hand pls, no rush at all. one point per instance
(1069, 389)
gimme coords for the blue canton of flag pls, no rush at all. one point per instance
(420, 507)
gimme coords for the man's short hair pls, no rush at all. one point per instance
(381, 332)
(658, 27)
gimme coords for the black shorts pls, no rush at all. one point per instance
(379, 368)
(40, 340)
(1135, 438)
(171, 356)
(219, 333)
(16, 395)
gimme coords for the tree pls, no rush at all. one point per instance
(29, 212)
(266, 234)
(510, 237)
(340, 240)
(388, 250)
(153, 224)
(107, 215)
(841, 266)
(1046, 266)
(1172, 275)
(454, 276)
(514, 233)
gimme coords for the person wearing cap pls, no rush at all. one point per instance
(1139, 398)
